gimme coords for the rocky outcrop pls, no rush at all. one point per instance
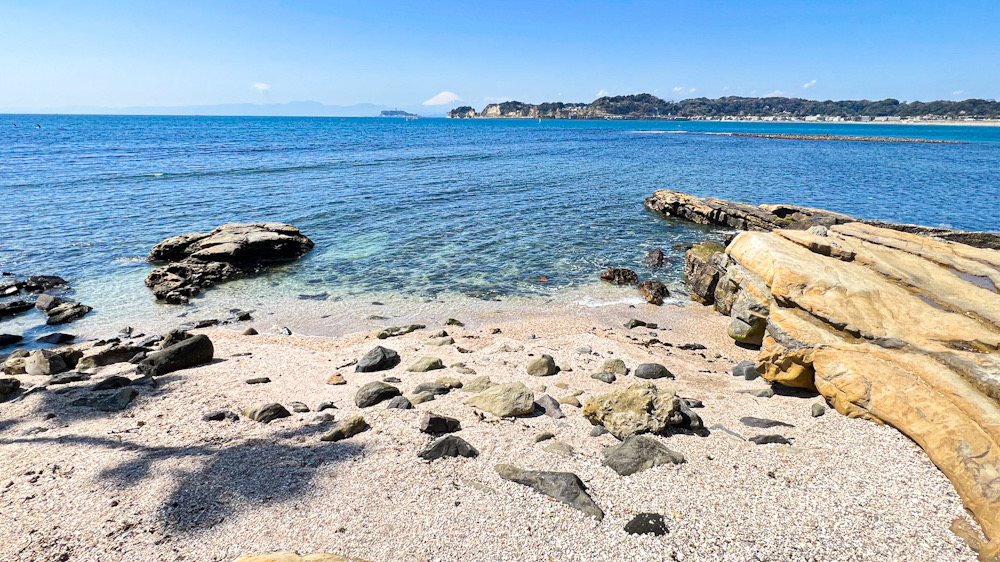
(203, 259)
(889, 326)
(742, 216)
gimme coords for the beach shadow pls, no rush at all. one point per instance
(223, 480)
(782, 390)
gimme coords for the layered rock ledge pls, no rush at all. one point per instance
(890, 326)
(742, 216)
(202, 259)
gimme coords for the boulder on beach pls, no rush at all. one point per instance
(373, 393)
(543, 366)
(191, 352)
(504, 400)
(204, 259)
(634, 409)
(563, 486)
(653, 291)
(448, 446)
(378, 359)
(638, 453)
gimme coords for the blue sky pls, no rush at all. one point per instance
(117, 54)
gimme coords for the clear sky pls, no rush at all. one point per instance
(117, 54)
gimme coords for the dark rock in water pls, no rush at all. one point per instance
(317, 297)
(772, 438)
(563, 486)
(56, 338)
(345, 429)
(8, 339)
(10, 288)
(746, 369)
(654, 292)
(638, 453)
(434, 423)
(378, 359)
(39, 283)
(220, 415)
(13, 308)
(259, 380)
(656, 258)
(652, 371)
(550, 406)
(435, 388)
(619, 276)
(763, 423)
(543, 366)
(604, 376)
(647, 524)
(66, 312)
(399, 403)
(373, 393)
(448, 446)
(204, 259)
(109, 403)
(191, 352)
(266, 413)
(598, 430)
(111, 383)
(633, 323)
(298, 407)
(8, 386)
(196, 324)
(46, 303)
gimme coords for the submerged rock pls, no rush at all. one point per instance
(204, 259)
(619, 276)
(656, 258)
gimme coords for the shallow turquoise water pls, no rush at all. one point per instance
(438, 209)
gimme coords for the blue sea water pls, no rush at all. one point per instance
(434, 209)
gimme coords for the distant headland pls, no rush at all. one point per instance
(732, 108)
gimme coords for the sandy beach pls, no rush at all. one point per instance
(156, 482)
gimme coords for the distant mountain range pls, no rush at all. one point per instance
(647, 106)
(290, 109)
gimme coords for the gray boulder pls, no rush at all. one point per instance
(638, 453)
(42, 362)
(434, 423)
(373, 393)
(550, 406)
(448, 446)
(542, 366)
(267, 413)
(114, 402)
(378, 359)
(191, 352)
(652, 371)
(562, 486)
(346, 429)
(399, 403)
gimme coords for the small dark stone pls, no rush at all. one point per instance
(746, 369)
(647, 524)
(563, 486)
(267, 413)
(604, 377)
(692, 403)
(598, 431)
(817, 410)
(56, 338)
(111, 383)
(634, 323)
(448, 446)
(453, 322)
(550, 406)
(434, 423)
(250, 332)
(763, 423)
(373, 393)
(378, 359)
(258, 380)
(771, 438)
(220, 415)
(691, 346)
(325, 406)
(399, 403)
(298, 407)
(437, 389)
(66, 378)
(392, 380)
(638, 453)
(652, 371)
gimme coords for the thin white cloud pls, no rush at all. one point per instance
(444, 98)
(958, 92)
(260, 86)
(725, 88)
(603, 93)
(809, 84)
(501, 99)
(692, 90)
(678, 89)
(774, 94)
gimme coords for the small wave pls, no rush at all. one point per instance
(597, 303)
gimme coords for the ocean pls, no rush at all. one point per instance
(430, 216)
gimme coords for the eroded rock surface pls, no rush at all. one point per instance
(634, 409)
(204, 259)
(888, 326)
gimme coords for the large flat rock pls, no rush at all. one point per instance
(889, 326)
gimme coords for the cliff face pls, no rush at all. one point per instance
(464, 112)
